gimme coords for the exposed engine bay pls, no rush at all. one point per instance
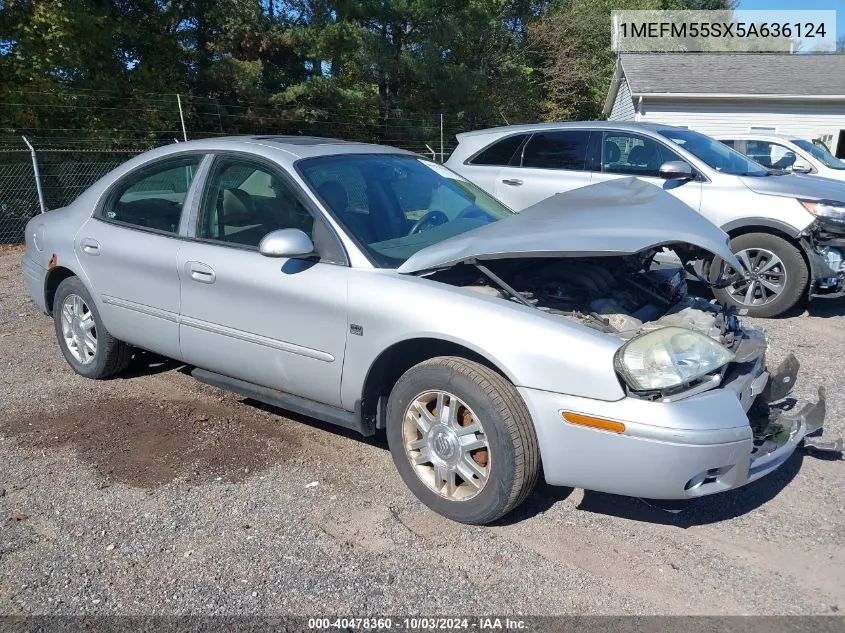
(624, 295)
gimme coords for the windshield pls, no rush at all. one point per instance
(396, 205)
(820, 154)
(714, 153)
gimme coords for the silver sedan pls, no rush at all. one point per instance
(371, 288)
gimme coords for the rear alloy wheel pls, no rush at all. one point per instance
(462, 439)
(774, 275)
(85, 343)
(79, 329)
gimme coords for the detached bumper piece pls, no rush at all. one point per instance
(779, 428)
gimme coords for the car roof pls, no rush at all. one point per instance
(294, 147)
(598, 125)
(762, 135)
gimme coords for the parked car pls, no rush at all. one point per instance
(787, 153)
(788, 231)
(373, 289)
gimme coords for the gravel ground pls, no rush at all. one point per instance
(152, 493)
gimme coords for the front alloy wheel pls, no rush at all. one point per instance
(462, 439)
(774, 275)
(446, 445)
(764, 277)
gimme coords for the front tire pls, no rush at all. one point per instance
(85, 343)
(462, 439)
(776, 275)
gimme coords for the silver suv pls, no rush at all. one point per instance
(787, 230)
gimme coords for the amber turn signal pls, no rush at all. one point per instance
(597, 423)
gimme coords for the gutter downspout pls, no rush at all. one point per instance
(639, 108)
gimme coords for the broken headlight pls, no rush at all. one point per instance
(669, 357)
(825, 209)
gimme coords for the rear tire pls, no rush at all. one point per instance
(480, 457)
(85, 342)
(778, 275)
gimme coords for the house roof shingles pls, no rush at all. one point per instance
(753, 74)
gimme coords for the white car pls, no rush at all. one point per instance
(788, 230)
(789, 153)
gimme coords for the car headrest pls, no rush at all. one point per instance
(644, 155)
(237, 207)
(611, 152)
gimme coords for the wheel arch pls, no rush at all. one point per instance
(398, 358)
(55, 276)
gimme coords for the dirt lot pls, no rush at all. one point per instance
(154, 493)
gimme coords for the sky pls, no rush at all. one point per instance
(801, 5)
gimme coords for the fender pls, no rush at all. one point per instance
(768, 223)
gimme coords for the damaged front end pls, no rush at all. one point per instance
(824, 243)
(630, 296)
(776, 421)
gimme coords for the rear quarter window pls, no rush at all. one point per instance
(500, 153)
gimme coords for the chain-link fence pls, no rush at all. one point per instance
(18, 194)
(64, 174)
(69, 164)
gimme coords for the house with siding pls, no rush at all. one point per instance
(800, 95)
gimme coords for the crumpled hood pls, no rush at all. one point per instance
(617, 217)
(797, 186)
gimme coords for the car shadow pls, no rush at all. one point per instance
(379, 440)
(703, 510)
(147, 364)
(826, 308)
(541, 499)
(820, 308)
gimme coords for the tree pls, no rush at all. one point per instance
(572, 40)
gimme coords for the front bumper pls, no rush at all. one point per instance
(674, 450)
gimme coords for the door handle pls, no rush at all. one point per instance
(89, 246)
(200, 272)
(513, 182)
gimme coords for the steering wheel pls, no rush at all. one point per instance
(433, 218)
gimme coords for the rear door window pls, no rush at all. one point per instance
(561, 149)
(152, 197)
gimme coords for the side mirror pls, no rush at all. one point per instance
(286, 243)
(801, 167)
(676, 170)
